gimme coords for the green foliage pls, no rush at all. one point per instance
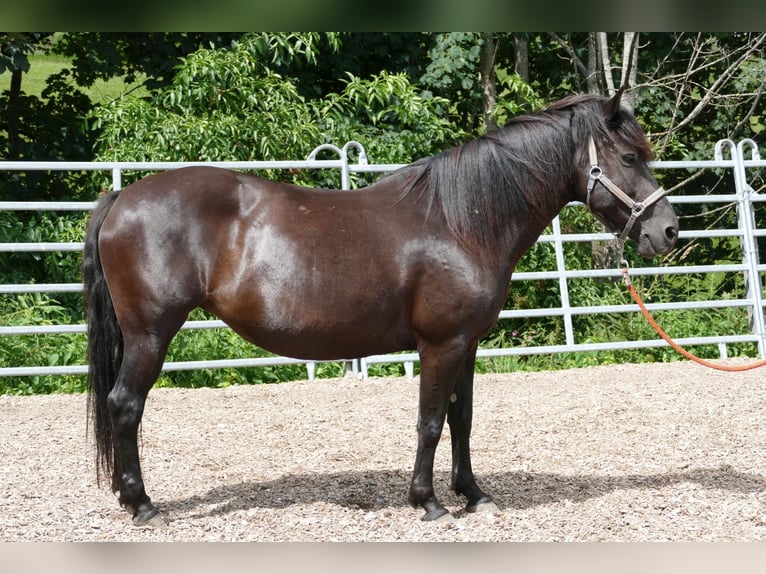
(41, 309)
(15, 48)
(454, 60)
(226, 105)
(287, 48)
(515, 97)
(147, 57)
(362, 55)
(394, 120)
(453, 73)
(41, 267)
(39, 128)
(33, 350)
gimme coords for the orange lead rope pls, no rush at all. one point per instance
(637, 298)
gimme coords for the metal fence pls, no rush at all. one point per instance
(729, 158)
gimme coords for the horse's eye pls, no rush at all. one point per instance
(629, 159)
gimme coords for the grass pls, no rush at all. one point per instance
(41, 66)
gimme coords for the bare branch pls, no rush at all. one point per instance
(570, 52)
(704, 54)
(741, 124)
(722, 79)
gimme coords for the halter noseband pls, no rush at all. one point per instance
(637, 208)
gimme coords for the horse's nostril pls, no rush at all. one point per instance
(671, 232)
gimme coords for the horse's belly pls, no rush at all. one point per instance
(326, 341)
(332, 327)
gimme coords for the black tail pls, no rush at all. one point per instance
(105, 344)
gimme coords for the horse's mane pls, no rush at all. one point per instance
(523, 171)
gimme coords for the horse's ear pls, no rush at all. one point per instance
(612, 107)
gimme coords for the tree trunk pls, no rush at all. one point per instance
(13, 116)
(592, 79)
(606, 63)
(521, 57)
(629, 68)
(488, 88)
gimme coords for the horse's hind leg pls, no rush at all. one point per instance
(142, 362)
(460, 419)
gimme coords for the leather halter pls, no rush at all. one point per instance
(637, 208)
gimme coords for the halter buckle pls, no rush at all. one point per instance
(625, 268)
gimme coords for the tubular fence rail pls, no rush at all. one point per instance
(729, 157)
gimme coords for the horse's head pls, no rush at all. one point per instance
(619, 188)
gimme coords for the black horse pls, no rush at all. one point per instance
(420, 260)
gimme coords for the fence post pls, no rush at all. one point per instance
(116, 178)
(345, 171)
(558, 247)
(754, 259)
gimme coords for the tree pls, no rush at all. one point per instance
(152, 56)
(715, 87)
(482, 74)
(230, 104)
(45, 128)
(687, 87)
(14, 50)
(360, 54)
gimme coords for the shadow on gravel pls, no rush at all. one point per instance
(511, 490)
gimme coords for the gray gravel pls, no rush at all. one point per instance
(616, 453)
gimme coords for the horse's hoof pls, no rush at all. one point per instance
(483, 507)
(151, 519)
(438, 515)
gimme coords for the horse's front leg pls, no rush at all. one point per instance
(460, 419)
(438, 368)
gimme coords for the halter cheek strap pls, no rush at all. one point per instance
(637, 208)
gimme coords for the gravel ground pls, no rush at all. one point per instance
(618, 453)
